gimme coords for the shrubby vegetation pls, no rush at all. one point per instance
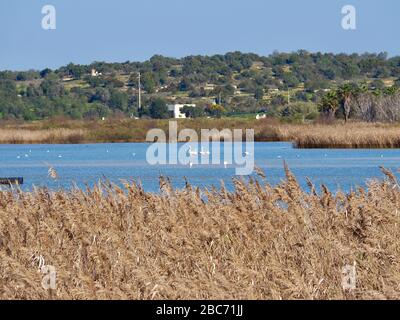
(363, 103)
(294, 86)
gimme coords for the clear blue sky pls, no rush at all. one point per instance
(121, 30)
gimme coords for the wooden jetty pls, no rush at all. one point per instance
(11, 181)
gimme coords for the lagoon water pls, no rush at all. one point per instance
(90, 163)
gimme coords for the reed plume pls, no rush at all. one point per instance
(254, 242)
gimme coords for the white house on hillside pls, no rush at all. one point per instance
(176, 110)
(95, 73)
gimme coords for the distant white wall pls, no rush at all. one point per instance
(176, 109)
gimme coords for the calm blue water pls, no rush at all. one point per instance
(87, 164)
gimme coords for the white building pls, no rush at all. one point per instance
(95, 73)
(261, 116)
(176, 110)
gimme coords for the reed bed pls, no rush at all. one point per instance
(311, 135)
(49, 136)
(356, 136)
(256, 242)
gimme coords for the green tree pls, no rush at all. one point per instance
(118, 100)
(52, 88)
(102, 94)
(216, 110)
(290, 80)
(158, 109)
(74, 70)
(259, 94)
(148, 83)
(330, 104)
(45, 72)
(346, 93)
(193, 112)
(114, 83)
(184, 85)
(300, 111)
(7, 88)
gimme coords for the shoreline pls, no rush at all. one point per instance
(316, 147)
(354, 135)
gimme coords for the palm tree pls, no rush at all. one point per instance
(346, 93)
(330, 103)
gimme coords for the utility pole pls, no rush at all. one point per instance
(140, 93)
(288, 96)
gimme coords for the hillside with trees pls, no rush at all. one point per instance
(296, 86)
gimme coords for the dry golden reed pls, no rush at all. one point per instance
(26, 136)
(351, 135)
(312, 135)
(256, 242)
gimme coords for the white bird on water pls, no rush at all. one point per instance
(225, 164)
(204, 153)
(192, 153)
(191, 164)
(52, 173)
